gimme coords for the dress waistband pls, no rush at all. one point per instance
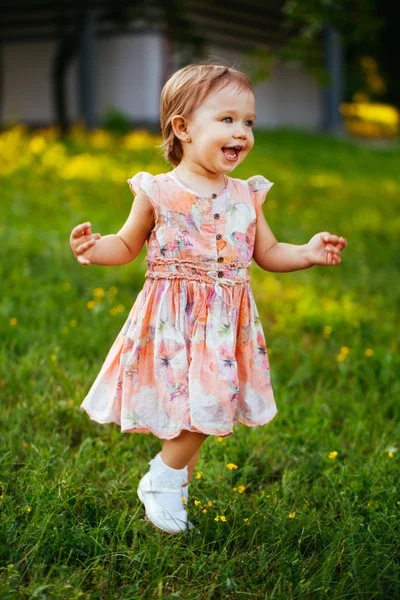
(169, 268)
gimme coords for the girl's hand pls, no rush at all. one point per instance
(324, 249)
(82, 241)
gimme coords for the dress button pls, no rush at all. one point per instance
(213, 195)
(219, 236)
(220, 273)
(220, 259)
(216, 216)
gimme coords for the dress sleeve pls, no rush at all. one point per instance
(259, 187)
(144, 181)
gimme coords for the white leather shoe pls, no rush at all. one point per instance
(153, 485)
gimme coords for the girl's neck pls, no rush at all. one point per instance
(203, 184)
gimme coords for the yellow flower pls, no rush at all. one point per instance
(90, 304)
(234, 489)
(390, 454)
(369, 352)
(120, 308)
(28, 509)
(204, 510)
(292, 515)
(333, 454)
(369, 503)
(113, 290)
(327, 330)
(66, 286)
(53, 357)
(26, 445)
(241, 489)
(216, 518)
(113, 311)
(341, 357)
(231, 466)
(98, 293)
(197, 502)
(209, 503)
(199, 475)
(183, 499)
(223, 518)
(220, 439)
(13, 321)
(73, 323)
(70, 402)
(246, 519)
(65, 330)
(344, 350)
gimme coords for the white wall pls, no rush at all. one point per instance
(128, 75)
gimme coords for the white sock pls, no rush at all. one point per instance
(162, 472)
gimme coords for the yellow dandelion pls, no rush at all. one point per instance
(65, 330)
(26, 445)
(231, 466)
(292, 515)
(204, 510)
(28, 509)
(72, 323)
(344, 350)
(13, 321)
(53, 357)
(66, 286)
(341, 357)
(241, 489)
(390, 454)
(219, 477)
(199, 475)
(70, 402)
(333, 454)
(369, 352)
(90, 304)
(234, 489)
(327, 330)
(197, 502)
(113, 311)
(223, 518)
(246, 519)
(220, 439)
(1, 497)
(216, 518)
(99, 293)
(209, 503)
(369, 503)
(183, 500)
(113, 290)
(120, 308)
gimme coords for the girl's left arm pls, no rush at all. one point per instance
(323, 249)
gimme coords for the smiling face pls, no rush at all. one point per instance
(220, 131)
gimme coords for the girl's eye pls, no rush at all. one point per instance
(249, 121)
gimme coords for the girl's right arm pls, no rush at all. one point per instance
(115, 249)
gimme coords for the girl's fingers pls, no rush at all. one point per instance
(83, 247)
(80, 230)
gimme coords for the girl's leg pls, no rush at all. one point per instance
(183, 450)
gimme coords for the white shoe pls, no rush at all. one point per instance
(161, 492)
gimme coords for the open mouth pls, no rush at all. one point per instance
(232, 154)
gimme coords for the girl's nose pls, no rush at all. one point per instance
(240, 132)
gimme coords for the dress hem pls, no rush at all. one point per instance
(176, 434)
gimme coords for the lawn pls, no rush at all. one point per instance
(312, 509)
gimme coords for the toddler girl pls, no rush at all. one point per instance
(191, 359)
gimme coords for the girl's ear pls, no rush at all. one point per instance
(179, 126)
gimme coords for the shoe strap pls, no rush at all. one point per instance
(160, 489)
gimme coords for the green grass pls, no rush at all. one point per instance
(71, 524)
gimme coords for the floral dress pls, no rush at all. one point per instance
(192, 353)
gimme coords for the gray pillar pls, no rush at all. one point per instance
(86, 69)
(333, 93)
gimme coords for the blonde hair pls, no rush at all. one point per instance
(183, 93)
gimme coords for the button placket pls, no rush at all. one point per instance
(220, 259)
